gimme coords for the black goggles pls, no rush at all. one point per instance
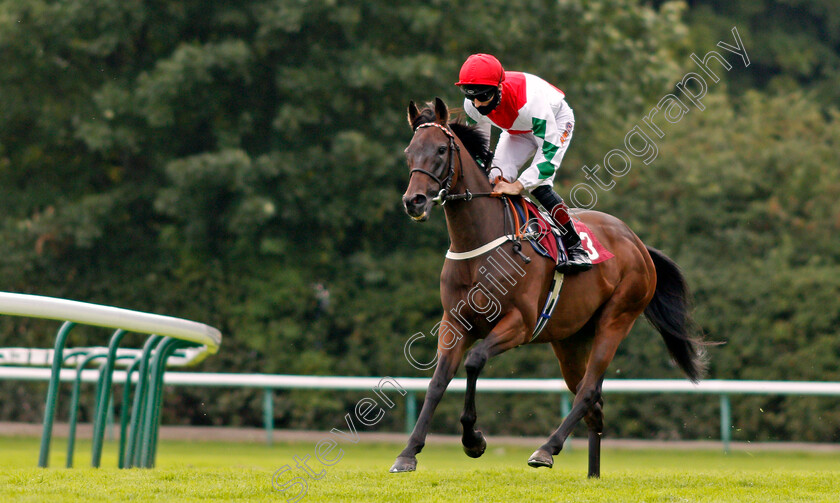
(483, 93)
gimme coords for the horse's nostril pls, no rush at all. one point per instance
(418, 200)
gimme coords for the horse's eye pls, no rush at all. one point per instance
(441, 150)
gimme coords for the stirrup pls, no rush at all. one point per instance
(577, 260)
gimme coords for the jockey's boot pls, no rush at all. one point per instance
(577, 260)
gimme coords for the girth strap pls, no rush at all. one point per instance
(550, 304)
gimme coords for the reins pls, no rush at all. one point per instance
(444, 196)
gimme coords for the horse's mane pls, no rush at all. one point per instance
(475, 141)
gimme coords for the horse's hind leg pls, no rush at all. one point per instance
(572, 354)
(588, 396)
(595, 424)
(610, 331)
(507, 334)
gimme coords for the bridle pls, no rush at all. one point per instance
(446, 183)
(444, 196)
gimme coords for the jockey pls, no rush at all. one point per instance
(535, 121)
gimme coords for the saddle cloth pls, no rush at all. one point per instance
(549, 244)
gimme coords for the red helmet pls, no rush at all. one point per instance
(481, 69)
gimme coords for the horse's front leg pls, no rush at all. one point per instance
(507, 334)
(447, 365)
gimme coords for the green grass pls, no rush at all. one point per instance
(242, 472)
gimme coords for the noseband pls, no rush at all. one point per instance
(446, 183)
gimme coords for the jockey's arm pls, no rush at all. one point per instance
(545, 161)
(513, 188)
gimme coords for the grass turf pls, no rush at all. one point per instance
(243, 472)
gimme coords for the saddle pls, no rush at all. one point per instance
(538, 228)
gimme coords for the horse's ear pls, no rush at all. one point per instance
(441, 112)
(412, 112)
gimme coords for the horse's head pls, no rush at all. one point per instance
(431, 157)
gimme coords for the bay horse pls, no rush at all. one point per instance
(596, 308)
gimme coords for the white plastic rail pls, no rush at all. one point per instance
(52, 308)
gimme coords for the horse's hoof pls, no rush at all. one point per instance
(541, 458)
(403, 464)
(477, 450)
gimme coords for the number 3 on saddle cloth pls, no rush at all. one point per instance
(544, 237)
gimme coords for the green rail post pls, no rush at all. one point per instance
(138, 411)
(104, 383)
(109, 421)
(74, 404)
(410, 411)
(178, 344)
(104, 398)
(725, 422)
(124, 410)
(52, 393)
(154, 400)
(268, 414)
(150, 412)
(66, 358)
(96, 397)
(565, 410)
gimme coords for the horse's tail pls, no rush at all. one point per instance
(669, 312)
